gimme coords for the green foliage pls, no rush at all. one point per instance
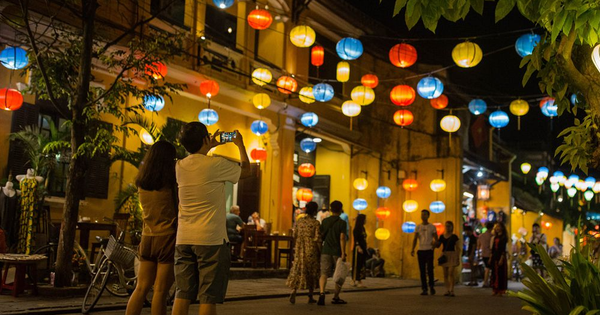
(128, 201)
(577, 142)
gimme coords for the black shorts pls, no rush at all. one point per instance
(486, 262)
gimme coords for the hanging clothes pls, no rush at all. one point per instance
(9, 217)
(27, 226)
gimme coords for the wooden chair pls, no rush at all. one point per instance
(253, 249)
(287, 253)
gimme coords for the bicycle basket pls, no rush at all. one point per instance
(118, 253)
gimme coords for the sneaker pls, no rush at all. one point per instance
(321, 299)
(338, 301)
(432, 290)
(424, 292)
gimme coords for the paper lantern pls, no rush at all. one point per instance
(440, 102)
(576, 99)
(547, 225)
(437, 207)
(403, 118)
(450, 123)
(572, 192)
(323, 92)
(596, 188)
(596, 57)
(14, 58)
(467, 54)
(306, 95)
(261, 100)
(317, 56)
(259, 127)
(259, 19)
(369, 80)
(526, 43)
(209, 88)
(343, 71)
(430, 87)
(383, 192)
(549, 107)
(154, 103)
(382, 213)
(382, 234)
(499, 119)
(403, 55)
(309, 119)
(146, 137)
(477, 106)
(525, 168)
(304, 194)
(543, 172)
(157, 70)
(361, 184)
(208, 117)
(302, 36)
(554, 187)
(519, 108)
(539, 180)
(439, 228)
(308, 145)
(402, 95)
(581, 185)
(360, 204)
(410, 206)
(409, 227)
(362, 95)
(351, 109)
(287, 85)
(261, 76)
(259, 154)
(306, 170)
(410, 184)
(590, 181)
(10, 99)
(349, 48)
(437, 185)
(223, 4)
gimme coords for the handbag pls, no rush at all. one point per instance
(442, 260)
(341, 272)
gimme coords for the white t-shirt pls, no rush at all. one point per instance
(426, 236)
(263, 223)
(202, 214)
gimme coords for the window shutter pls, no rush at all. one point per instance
(98, 169)
(17, 160)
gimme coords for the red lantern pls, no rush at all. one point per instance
(306, 170)
(317, 56)
(403, 55)
(157, 70)
(304, 194)
(10, 99)
(439, 228)
(259, 154)
(369, 80)
(209, 88)
(402, 95)
(403, 118)
(260, 19)
(287, 85)
(440, 102)
(382, 213)
(410, 184)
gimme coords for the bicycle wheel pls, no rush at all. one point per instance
(94, 291)
(46, 266)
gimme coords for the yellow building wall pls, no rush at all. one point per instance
(337, 166)
(520, 219)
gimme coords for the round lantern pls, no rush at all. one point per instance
(362, 95)
(590, 181)
(477, 106)
(554, 186)
(383, 192)
(209, 88)
(157, 70)
(323, 92)
(223, 4)
(302, 36)
(259, 154)
(403, 55)
(14, 58)
(260, 19)
(360, 204)
(351, 109)
(369, 80)
(539, 180)
(437, 185)
(261, 76)
(575, 99)
(287, 85)
(437, 207)
(467, 54)
(548, 225)
(308, 145)
(403, 118)
(439, 228)
(309, 119)
(306, 170)
(526, 43)
(581, 185)
(410, 184)
(543, 172)
(10, 99)
(440, 102)
(450, 123)
(430, 87)
(549, 107)
(349, 48)
(596, 188)
(409, 227)
(382, 234)
(596, 57)
(525, 168)
(519, 108)
(154, 103)
(317, 56)
(261, 100)
(304, 194)
(259, 127)
(146, 137)
(343, 71)
(499, 119)
(208, 117)
(361, 184)
(306, 95)
(572, 192)
(382, 213)
(402, 95)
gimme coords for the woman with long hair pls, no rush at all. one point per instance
(157, 188)
(498, 261)
(451, 256)
(359, 257)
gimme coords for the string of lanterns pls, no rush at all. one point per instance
(589, 186)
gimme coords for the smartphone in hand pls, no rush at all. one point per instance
(227, 137)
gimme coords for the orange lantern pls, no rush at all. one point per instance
(403, 55)
(547, 225)
(410, 184)
(440, 102)
(317, 56)
(157, 70)
(10, 99)
(306, 170)
(402, 95)
(403, 118)
(304, 194)
(259, 154)
(369, 80)
(209, 88)
(439, 228)
(382, 213)
(287, 85)
(260, 19)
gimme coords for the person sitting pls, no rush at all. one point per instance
(375, 262)
(234, 224)
(255, 219)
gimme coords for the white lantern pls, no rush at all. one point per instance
(596, 56)
(351, 109)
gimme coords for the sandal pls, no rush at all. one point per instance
(447, 293)
(338, 301)
(293, 298)
(311, 300)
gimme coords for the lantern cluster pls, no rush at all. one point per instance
(13, 58)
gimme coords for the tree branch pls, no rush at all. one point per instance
(119, 76)
(564, 52)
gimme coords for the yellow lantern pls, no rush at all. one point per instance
(410, 206)
(302, 36)
(261, 76)
(525, 168)
(437, 185)
(467, 54)
(362, 95)
(343, 71)
(146, 137)
(450, 123)
(261, 100)
(306, 95)
(361, 183)
(351, 109)
(382, 234)
(519, 108)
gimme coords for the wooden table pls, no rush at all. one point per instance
(85, 228)
(21, 262)
(272, 243)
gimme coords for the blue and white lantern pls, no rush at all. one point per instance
(499, 119)
(590, 182)
(308, 145)
(208, 117)
(549, 107)
(477, 106)
(14, 58)
(526, 43)
(349, 48)
(323, 92)
(154, 103)
(558, 174)
(492, 216)
(359, 204)
(259, 127)
(430, 88)
(575, 99)
(309, 119)
(409, 227)
(437, 206)
(383, 192)
(223, 4)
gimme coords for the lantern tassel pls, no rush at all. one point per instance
(350, 123)
(519, 123)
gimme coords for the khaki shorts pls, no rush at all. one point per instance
(328, 264)
(158, 249)
(202, 272)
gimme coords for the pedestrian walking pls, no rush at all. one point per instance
(451, 256)
(333, 233)
(426, 236)
(499, 259)
(484, 243)
(360, 253)
(305, 270)
(538, 238)
(471, 254)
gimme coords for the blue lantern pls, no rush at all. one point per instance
(437, 207)
(349, 48)
(323, 92)
(575, 100)
(154, 103)
(549, 107)
(590, 182)
(499, 119)
(208, 117)
(491, 216)
(526, 43)
(359, 204)
(558, 174)
(477, 106)
(574, 178)
(409, 227)
(14, 58)
(259, 127)
(223, 4)
(308, 145)
(309, 119)
(430, 88)
(544, 170)
(383, 192)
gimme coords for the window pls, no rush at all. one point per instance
(57, 184)
(220, 27)
(174, 13)
(329, 68)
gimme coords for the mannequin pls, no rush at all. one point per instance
(30, 174)
(9, 190)
(29, 184)
(9, 212)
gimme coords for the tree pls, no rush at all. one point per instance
(67, 42)
(562, 59)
